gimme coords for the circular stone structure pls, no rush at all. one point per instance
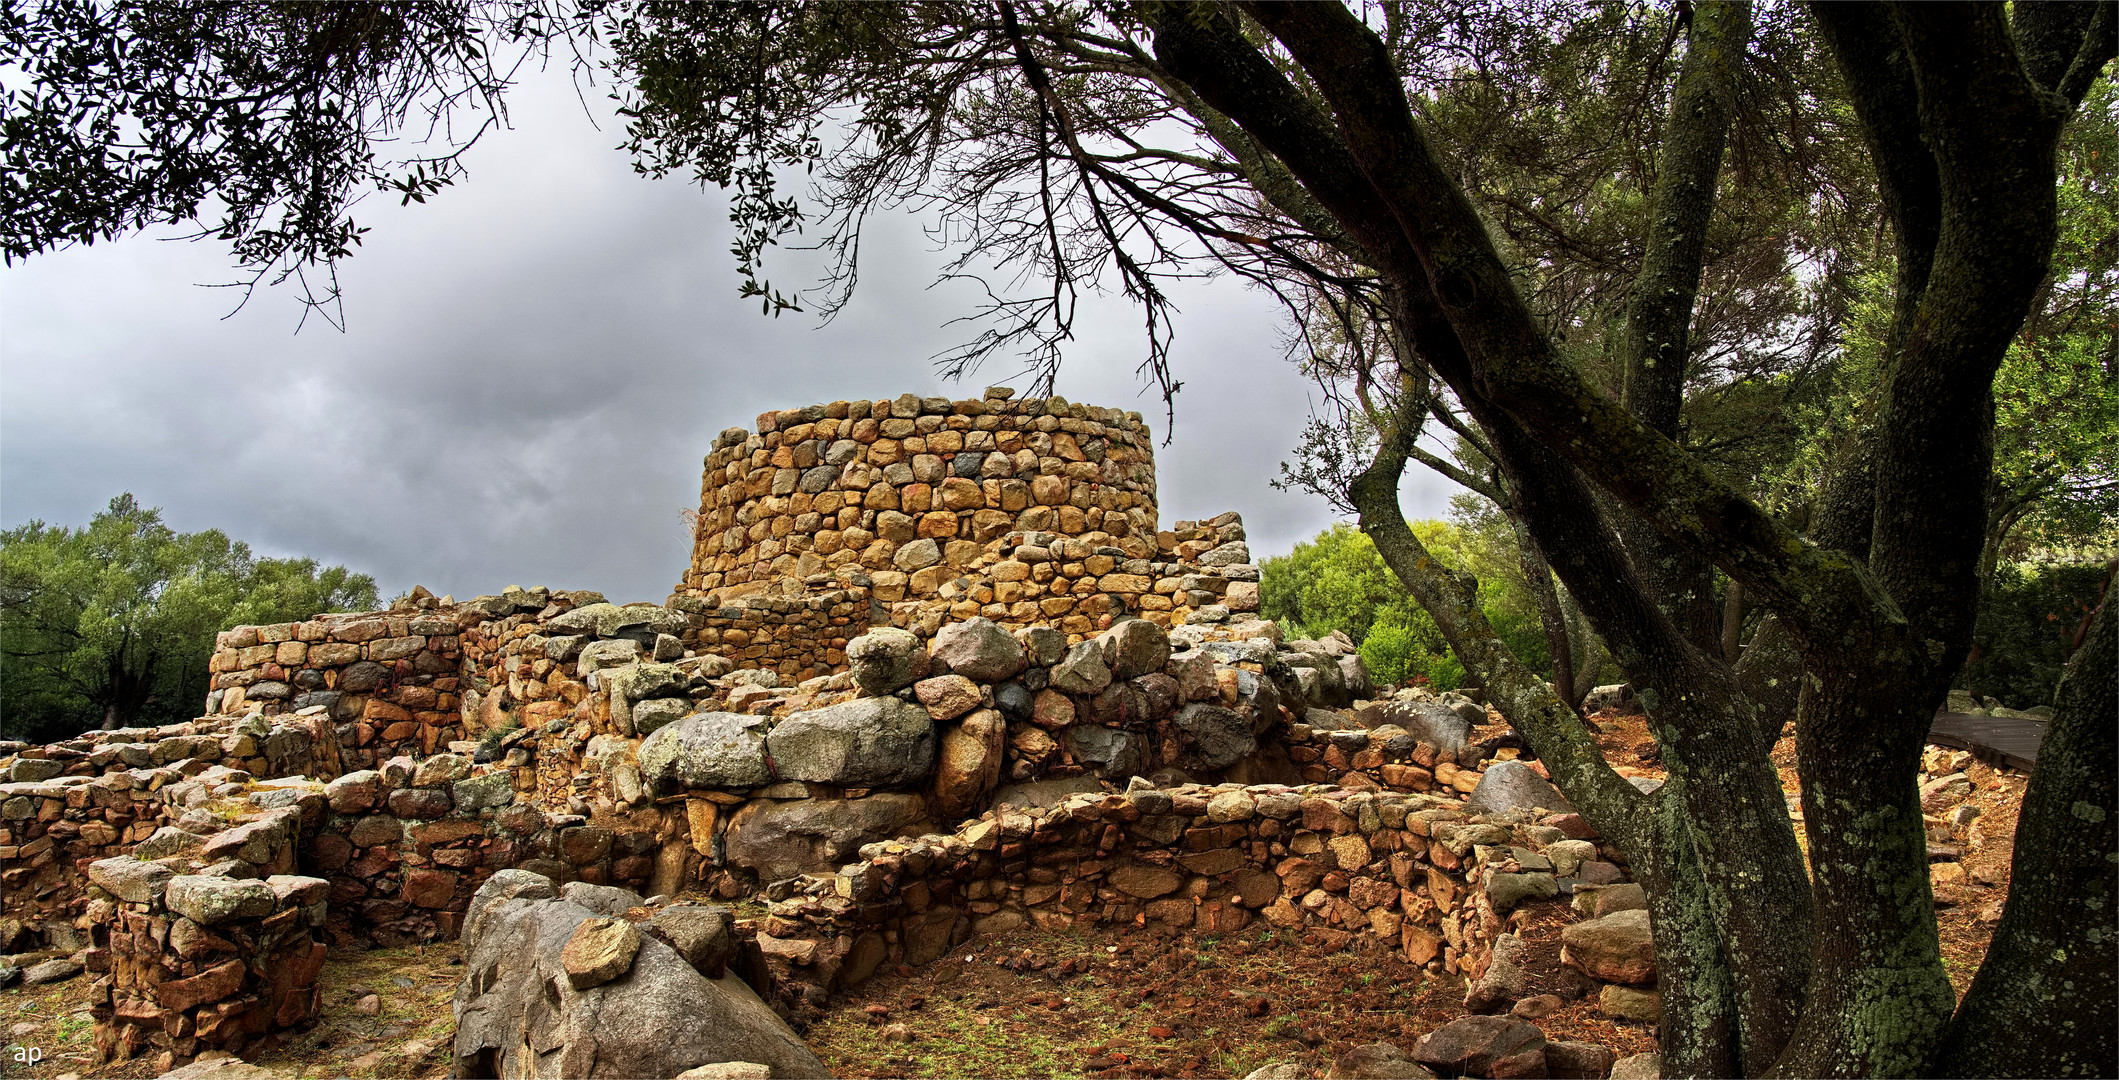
(861, 482)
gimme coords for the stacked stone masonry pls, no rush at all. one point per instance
(942, 641)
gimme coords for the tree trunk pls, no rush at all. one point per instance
(1733, 621)
(1550, 617)
(1879, 997)
(2043, 1003)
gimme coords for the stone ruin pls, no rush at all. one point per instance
(934, 672)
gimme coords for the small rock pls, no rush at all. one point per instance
(728, 1070)
(1630, 1003)
(600, 950)
(1577, 1061)
(1376, 1061)
(1638, 1067)
(1279, 1070)
(1615, 948)
(50, 971)
(369, 1005)
(897, 1033)
(1537, 1007)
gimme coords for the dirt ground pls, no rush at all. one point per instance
(1116, 1003)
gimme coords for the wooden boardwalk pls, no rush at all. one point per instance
(1996, 740)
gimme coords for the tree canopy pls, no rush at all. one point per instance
(1713, 304)
(111, 625)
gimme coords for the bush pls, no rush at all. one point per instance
(2027, 619)
(1391, 653)
(1445, 673)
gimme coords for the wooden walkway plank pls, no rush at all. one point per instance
(1996, 740)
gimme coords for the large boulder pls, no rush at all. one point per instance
(1616, 697)
(885, 659)
(1112, 753)
(1616, 948)
(518, 1014)
(1375, 1061)
(1513, 785)
(1318, 673)
(970, 764)
(1483, 1046)
(867, 742)
(1134, 648)
(814, 836)
(707, 750)
(1426, 721)
(1083, 671)
(978, 649)
(1356, 676)
(1217, 737)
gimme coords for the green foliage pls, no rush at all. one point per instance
(1338, 581)
(112, 624)
(2028, 617)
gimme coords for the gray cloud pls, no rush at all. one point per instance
(535, 364)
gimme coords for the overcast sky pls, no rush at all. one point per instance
(535, 363)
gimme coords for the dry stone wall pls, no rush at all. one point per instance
(1419, 874)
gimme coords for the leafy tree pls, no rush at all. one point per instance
(112, 624)
(1305, 148)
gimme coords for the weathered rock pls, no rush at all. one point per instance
(131, 880)
(1219, 737)
(607, 900)
(353, 793)
(226, 1068)
(1134, 648)
(1483, 1046)
(1615, 948)
(441, 770)
(1279, 1070)
(1612, 899)
(519, 1015)
(1505, 981)
(1146, 882)
(1377, 1061)
(884, 659)
(867, 742)
(814, 836)
(598, 655)
(1505, 891)
(1083, 671)
(946, 697)
(1043, 645)
(969, 764)
(211, 901)
(728, 1070)
(654, 714)
(1577, 1061)
(59, 969)
(703, 934)
(1426, 721)
(505, 885)
(1638, 1067)
(599, 950)
(494, 789)
(1615, 697)
(1630, 1003)
(1112, 753)
(707, 750)
(581, 620)
(978, 649)
(1513, 785)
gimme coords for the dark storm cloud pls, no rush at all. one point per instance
(535, 363)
